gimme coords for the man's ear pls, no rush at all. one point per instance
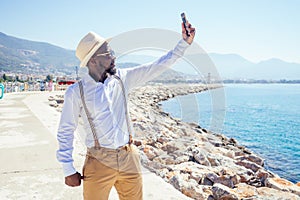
(92, 61)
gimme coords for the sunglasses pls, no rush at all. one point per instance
(110, 53)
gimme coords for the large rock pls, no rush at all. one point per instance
(283, 185)
(194, 192)
(165, 159)
(53, 104)
(182, 159)
(226, 179)
(229, 181)
(262, 176)
(150, 152)
(180, 181)
(222, 192)
(245, 191)
(189, 187)
(273, 194)
(252, 158)
(214, 160)
(170, 147)
(249, 165)
(201, 157)
(209, 179)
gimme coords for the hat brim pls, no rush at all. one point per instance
(91, 53)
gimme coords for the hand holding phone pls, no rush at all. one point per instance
(184, 20)
(188, 32)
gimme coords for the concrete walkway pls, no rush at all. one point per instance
(29, 168)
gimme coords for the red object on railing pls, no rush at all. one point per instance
(68, 82)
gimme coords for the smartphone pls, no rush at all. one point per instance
(187, 30)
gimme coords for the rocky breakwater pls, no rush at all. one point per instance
(199, 163)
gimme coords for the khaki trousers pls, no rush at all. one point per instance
(106, 168)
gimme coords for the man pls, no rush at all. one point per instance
(100, 99)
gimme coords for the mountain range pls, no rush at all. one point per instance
(17, 55)
(235, 66)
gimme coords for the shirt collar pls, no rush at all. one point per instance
(89, 80)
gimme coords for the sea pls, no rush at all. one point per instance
(263, 117)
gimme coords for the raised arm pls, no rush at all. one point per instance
(138, 75)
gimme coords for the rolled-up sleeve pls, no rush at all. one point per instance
(67, 126)
(140, 74)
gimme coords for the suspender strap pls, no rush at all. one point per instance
(92, 125)
(126, 109)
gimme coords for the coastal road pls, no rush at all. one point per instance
(29, 169)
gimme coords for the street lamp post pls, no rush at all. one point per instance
(76, 69)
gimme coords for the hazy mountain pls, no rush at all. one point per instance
(276, 69)
(235, 66)
(18, 53)
(230, 65)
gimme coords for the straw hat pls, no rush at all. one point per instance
(88, 46)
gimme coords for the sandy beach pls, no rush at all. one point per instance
(28, 145)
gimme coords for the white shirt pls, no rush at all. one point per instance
(105, 104)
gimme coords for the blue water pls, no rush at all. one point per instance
(263, 117)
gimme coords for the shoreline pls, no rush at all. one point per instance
(284, 165)
(197, 162)
(235, 167)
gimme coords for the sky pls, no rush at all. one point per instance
(255, 29)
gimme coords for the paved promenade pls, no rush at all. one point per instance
(29, 169)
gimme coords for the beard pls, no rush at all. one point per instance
(111, 71)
